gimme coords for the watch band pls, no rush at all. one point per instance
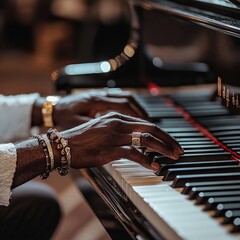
(47, 110)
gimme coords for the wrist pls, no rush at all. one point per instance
(42, 111)
(37, 119)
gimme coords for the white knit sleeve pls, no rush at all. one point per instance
(15, 117)
(8, 160)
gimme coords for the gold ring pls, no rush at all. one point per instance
(136, 139)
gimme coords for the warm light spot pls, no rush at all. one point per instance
(54, 75)
(128, 50)
(113, 64)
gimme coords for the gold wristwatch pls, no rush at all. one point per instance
(47, 110)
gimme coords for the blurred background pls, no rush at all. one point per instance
(38, 36)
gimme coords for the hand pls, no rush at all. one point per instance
(76, 109)
(108, 138)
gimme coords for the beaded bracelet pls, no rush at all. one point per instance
(62, 145)
(50, 151)
(47, 156)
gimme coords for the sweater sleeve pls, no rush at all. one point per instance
(8, 159)
(15, 117)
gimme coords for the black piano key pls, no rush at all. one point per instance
(192, 139)
(221, 128)
(160, 114)
(235, 141)
(190, 151)
(202, 197)
(222, 121)
(196, 190)
(212, 202)
(165, 167)
(189, 185)
(179, 181)
(187, 135)
(196, 143)
(224, 138)
(230, 215)
(181, 129)
(193, 157)
(215, 113)
(200, 146)
(223, 207)
(233, 145)
(204, 156)
(172, 173)
(227, 133)
(236, 149)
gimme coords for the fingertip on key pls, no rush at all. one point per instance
(176, 154)
(155, 166)
(181, 150)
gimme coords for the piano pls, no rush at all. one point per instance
(197, 197)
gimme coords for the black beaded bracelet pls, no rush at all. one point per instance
(47, 157)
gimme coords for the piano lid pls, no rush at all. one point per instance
(221, 15)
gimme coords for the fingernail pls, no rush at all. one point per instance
(155, 166)
(176, 153)
(181, 150)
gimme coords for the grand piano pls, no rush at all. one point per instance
(188, 53)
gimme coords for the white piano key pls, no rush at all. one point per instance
(169, 211)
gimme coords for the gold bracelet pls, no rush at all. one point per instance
(47, 110)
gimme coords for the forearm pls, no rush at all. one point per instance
(30, 161)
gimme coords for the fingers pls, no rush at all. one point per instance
(122, 105)
(135, 155)
(146, 141)
(133, 102)
(157, 145)
(128, 95)
(139, 108)
(152, 137)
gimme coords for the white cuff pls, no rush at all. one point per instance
(16, 116)
(8, 160)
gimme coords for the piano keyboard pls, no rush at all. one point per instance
(197, 197)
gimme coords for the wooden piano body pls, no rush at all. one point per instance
(187, 42)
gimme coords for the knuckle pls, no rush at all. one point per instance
(114, 115)
(146, 138)
(115, 122)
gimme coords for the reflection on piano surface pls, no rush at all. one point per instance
(198, 196)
